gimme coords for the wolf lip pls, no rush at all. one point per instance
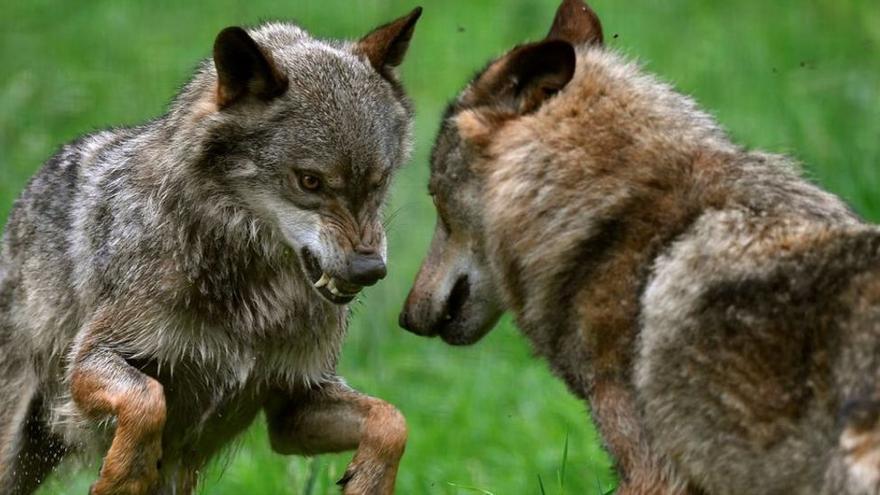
(332, 289)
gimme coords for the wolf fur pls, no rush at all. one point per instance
(720, 313)
(156, 282)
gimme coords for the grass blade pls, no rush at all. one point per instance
(470, 488)
(314, 470)
(561, 473)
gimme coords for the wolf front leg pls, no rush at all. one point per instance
(335, 418)
(103, 385)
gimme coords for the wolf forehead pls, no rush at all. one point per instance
(448, 165)
(336, 110)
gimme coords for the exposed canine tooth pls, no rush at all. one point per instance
(323, 281)
(331, 286)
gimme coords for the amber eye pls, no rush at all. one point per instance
(310, 182)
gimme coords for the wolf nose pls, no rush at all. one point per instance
(412, 320)
(410, 323)
(366, 269)
(406, 321)
(410, 317)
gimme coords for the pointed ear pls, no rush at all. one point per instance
(386, 45)
(576, 23)
(244, 68)
(524, 78)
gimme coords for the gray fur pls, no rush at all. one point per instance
(188, 230)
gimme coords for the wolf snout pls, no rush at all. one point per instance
(366, 269)
(421, 316)
(408, 322)
(412, 315)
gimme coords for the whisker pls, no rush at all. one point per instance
(389, 219)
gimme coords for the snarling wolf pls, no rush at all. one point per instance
(162, 285)
(720, 314)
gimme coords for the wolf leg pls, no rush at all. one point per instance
(28, 451)
(335, 418)
(37, 453)
(103, 385)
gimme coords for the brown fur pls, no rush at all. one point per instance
(341, 420)
(717, 311)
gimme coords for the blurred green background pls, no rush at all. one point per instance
(794, 76)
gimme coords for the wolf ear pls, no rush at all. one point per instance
(244, 68)
(524, 78)
(386, 45)
(576, 23)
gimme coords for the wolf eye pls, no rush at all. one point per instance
(310, 182)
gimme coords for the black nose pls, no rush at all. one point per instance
(403, 320)
(366, 269)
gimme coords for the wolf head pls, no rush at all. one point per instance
(304, 135)
(455, 295)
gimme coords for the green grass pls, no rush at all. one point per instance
(801, 77)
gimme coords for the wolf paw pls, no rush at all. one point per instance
(142, 486)
(140, 478)
(346, 477)
(366, 479)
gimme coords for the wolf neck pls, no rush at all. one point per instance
(574, 282)
(583, 197)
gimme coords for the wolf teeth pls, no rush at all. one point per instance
(331, 286)
(330, 283)
(325, 279)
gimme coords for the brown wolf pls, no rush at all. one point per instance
(720, 313)
(162, 285)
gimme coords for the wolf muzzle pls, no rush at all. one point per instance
(366, 269)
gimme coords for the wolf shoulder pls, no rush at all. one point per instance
(792, 248)
(45, 211)
(746, 251)
(751, 322)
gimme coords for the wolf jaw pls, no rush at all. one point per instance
(333, 289)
